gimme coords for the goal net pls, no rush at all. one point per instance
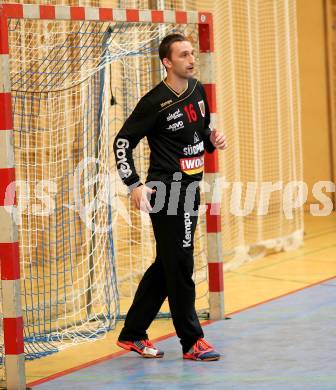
(83, 248)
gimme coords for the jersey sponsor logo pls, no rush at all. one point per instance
(164, 104)
(175, 115)
(201, 105)
(196, 138)
(187, 231)
(191, 150)
(176, 126)
(122, 164)
(192, 165)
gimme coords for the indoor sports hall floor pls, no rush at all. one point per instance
(281, 333)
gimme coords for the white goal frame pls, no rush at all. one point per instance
(9, 246)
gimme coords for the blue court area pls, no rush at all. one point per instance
(287, 344)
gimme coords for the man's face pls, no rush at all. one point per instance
(182, 60)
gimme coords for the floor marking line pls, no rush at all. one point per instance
(101, 359)
(164, 337)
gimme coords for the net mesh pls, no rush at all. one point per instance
(259, 102)
(83, 248)
(257, 108)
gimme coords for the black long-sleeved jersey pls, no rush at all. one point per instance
(177, 130)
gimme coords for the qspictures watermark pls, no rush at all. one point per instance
(88, 193)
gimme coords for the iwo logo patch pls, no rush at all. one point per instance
(192, 165)
(202, 107)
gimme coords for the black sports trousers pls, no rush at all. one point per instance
(169, 276)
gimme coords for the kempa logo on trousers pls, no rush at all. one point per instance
(122, 164)
(187, 231)
(176, 126)
(175, 115)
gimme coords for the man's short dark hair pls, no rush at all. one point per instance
(167, 41)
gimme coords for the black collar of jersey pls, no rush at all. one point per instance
(169, 97)
(191, 86)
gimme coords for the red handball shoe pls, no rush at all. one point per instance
(143, 347)
(202, 350)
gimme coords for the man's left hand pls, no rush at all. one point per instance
(218, 140)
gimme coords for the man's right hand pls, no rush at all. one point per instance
(139, 196)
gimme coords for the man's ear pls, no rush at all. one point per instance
(166, 62)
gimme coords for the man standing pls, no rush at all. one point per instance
(175, 118)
